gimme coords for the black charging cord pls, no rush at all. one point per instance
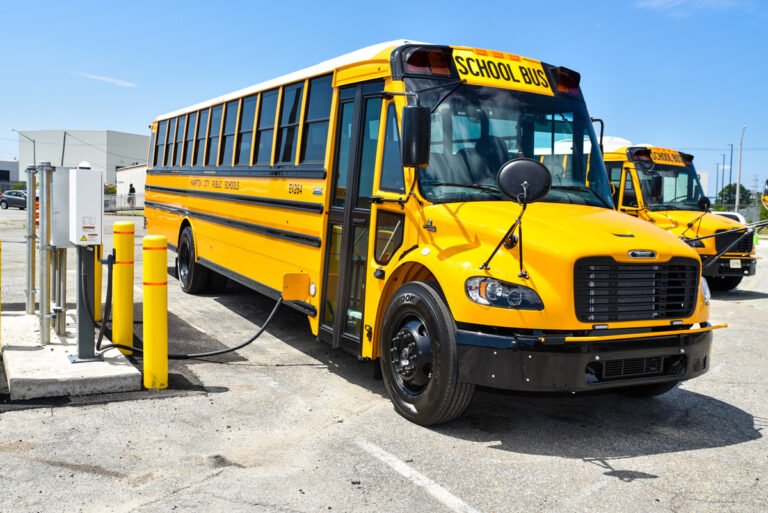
(171, 356)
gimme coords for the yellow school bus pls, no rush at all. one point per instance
(661, 185)
(765, 195)
(408, 183)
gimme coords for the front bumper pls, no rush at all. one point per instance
(725, 267)
(517, 363)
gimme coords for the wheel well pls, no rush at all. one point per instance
(408, 272)
(184, 224)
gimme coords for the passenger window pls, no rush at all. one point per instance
(245, 136)
(391, 166)
(190, 139)
(213, 138)
(160, 148)
(168, 156)
(179, 140)
(228, 138)
(315, 136)
(202, 129)
(289, 123)
(266, 127)
(389, 235)
(368, 156)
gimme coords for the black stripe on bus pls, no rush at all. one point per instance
(259, 287)
(307, 240)
(256, 171)
(238, 198)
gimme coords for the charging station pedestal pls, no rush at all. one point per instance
(86, 208)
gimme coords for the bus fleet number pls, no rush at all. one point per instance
(294, 188)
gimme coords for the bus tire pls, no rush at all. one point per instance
(192, 276)
(647, 391)
(419, 358)
(724, 283)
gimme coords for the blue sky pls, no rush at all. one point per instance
(679, 73)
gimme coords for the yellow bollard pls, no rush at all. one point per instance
(122, 289)
(155, 278)
(97, 252)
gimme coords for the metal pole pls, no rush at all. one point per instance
(60, 296)
(738, 178)
(63, 145)
(717, 178)
(45, 170)
(721, 188)
(31, 194)
(730, 168)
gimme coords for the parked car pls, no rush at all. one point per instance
(16, 199)
(733, 215)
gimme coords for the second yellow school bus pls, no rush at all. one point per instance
(423, 262)
(661, 185)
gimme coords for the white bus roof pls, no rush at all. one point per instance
(318, 69)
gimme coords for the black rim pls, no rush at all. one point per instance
(184, 262)
(411, 355)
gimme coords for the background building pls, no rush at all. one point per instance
(105, 150)
(9, 172)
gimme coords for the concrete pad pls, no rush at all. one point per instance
(34, 371)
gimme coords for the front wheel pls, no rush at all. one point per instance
(724, 283)
(192, 275)
(419, 358)
(3, 204)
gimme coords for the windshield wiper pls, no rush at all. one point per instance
(582, 188)
(478, 186)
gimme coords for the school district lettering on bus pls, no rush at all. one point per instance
(408, 251)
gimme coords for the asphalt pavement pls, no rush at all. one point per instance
(290, 425)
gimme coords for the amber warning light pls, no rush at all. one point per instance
(429, 62)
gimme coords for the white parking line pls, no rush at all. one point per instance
(435, 490)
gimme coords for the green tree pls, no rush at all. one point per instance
(728, 195)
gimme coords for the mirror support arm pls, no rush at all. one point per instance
(518, 222)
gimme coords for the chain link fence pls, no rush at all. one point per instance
(124, 204)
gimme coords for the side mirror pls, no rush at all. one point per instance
(417, 123)
(704, 204)
(524, 180)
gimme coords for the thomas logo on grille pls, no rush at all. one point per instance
(642, 253)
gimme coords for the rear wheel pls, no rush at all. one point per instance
(419, 358)
(724, 283)
(192, 275)
(646, 391)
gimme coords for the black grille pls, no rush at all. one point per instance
(743, 246)
(633, 368)
(608, 291)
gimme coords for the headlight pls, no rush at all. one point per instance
(487, 291)
(705, 290)
(693, 243)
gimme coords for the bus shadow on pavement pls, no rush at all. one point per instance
(739, 295)
(603, 426)
(292, 328)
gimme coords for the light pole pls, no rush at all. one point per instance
(717, 178)
(738, 176)
(34, 145)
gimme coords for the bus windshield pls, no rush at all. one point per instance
(476, 129)
(668, 187)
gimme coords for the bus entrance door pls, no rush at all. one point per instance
(357, 129)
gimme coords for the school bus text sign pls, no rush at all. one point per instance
(511, 73)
